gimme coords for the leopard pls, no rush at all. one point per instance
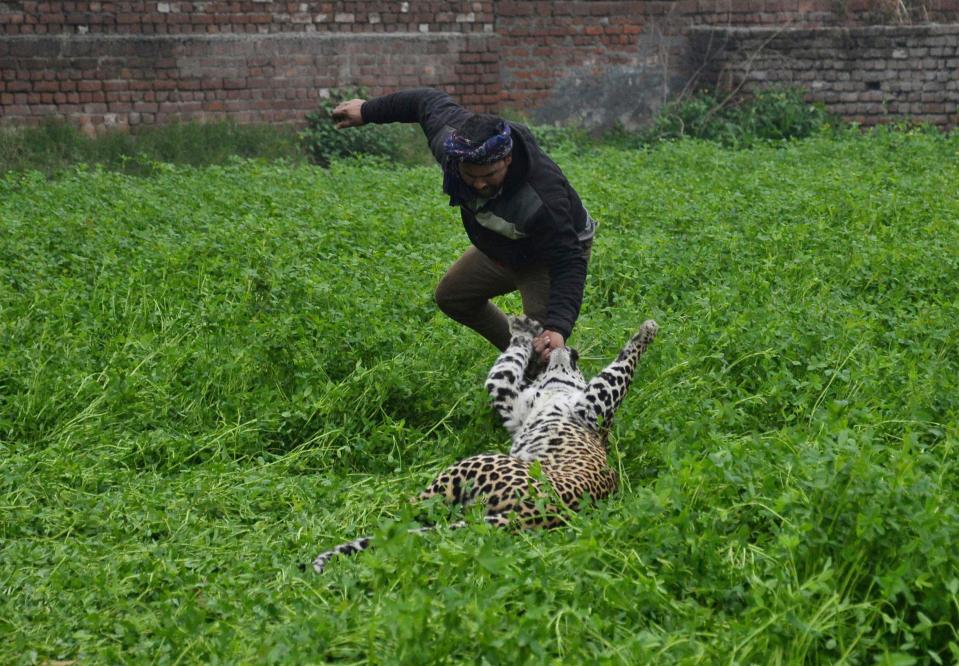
(559, 426)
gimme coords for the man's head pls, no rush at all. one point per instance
(481, 152)
(485, 179)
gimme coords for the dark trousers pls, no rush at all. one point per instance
(464, 292)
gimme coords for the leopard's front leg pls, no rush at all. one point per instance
(506, 379)
(606, 390)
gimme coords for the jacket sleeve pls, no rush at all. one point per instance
(557, 243)
(433, 109)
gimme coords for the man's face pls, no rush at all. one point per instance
(485, 179)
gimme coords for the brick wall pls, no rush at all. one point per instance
(143, 17)
(816, 13)
(125, 63)
(604, 61)
(543, 41)
(124, 80)
(865, 74)
(122, 64)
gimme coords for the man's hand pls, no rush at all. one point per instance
(347, 114)
(546, 343)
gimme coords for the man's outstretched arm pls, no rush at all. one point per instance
(432, 109)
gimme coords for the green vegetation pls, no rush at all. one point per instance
(772, 115)
(207, 375)
(55, 146)
(396, 142)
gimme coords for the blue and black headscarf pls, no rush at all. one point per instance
(460, 149)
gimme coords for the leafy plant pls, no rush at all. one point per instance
(553, 138)
(323, 142)
(771, 115)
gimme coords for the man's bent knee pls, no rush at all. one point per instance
(451, 302)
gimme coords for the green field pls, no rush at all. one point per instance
(208, 375)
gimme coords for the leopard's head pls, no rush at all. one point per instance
(562, 368)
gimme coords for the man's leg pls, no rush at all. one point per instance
(464, 292)
(533, 285)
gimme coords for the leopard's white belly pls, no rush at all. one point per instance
(538, 416)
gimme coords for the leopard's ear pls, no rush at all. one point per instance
(573, 356)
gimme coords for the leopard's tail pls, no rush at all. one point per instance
(348, 548)
(361, 544)
(364, 543)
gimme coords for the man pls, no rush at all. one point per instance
(528, 227)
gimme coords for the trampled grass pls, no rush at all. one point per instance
(207, 375)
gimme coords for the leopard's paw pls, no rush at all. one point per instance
(646, 334)
(524, 326)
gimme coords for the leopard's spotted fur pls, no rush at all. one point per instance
(556, 419)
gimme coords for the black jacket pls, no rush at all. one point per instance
(537, 216)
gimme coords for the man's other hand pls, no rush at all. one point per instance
(546, 343)
(348, 114)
